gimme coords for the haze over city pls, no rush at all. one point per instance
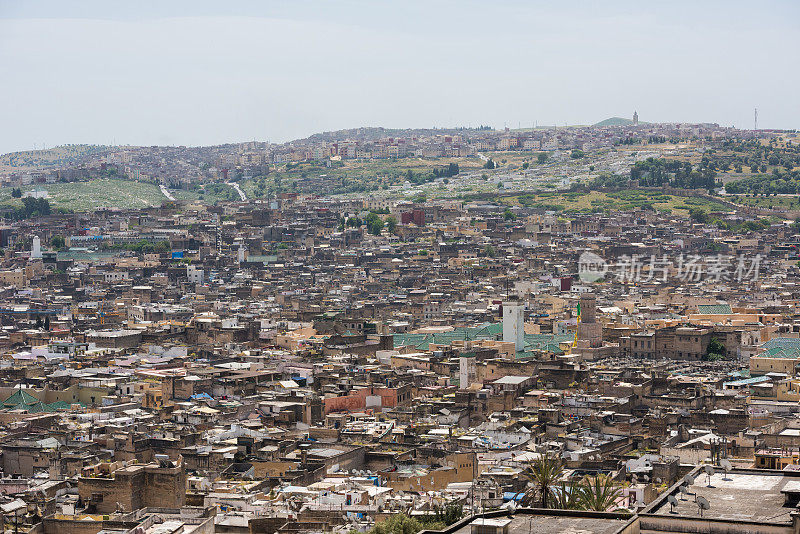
(200, 73)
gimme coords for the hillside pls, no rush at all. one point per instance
(614, 121)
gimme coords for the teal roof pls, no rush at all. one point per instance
(781, 347)
(421, 341)
(22, 400)
(20, 396)
(782, 342)
(747, 381)
(533, 342)
(714, 309)
(58, 405)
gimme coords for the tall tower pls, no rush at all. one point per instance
(589, 330)
(36, 248)
(513, 324)
(467, 372)
(635, 119)
(755, 119)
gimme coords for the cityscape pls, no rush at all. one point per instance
(467, 329)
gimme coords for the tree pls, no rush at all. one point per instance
(509, 215)
(490, 251)
(566, 497)
(597, 493)
(47, 322)
(33, 207)
(490, 164)
(698, 215)
(525, 165)
(543, 474)
(448, 514)
(374, 224)
(57, 242)
(398, 524)
(16, 192)
(391, 224)
(576, 154)
(715, 350)
(541, 157)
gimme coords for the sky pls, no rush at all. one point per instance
(200, 72)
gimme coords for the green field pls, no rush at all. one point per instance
(791, 202)
(602, 202)
(94, 194)
(116, 193)
(349, 175)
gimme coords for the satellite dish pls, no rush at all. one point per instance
(673, 502)
(726, 466)
(683, 491)
(710, 472)
(688, 480)
(702, 504)
(511, 508)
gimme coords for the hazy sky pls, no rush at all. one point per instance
(197, 72)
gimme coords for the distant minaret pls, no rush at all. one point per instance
(755, 119)
(36, 248)
(635, 119)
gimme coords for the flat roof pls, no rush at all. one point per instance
(555, 524)
(746, 495)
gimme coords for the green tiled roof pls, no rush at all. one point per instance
(20, 396)
(533, 342)
(782, 342)
(781, 347)
(22, 400)
(714, 309)
(421, 341)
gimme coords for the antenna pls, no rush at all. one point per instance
(702, 504)
(673, 502)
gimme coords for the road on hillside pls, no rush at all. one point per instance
(238, 190)
(166, 192)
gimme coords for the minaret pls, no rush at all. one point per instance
(36, 248)
(589, 330)
(514, 324)
(635, 119)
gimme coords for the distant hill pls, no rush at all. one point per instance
(615, 121)
(50, 157)
(371, 133)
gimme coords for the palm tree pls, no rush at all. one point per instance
(566, 496)
(597, 493)
(543, 474)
